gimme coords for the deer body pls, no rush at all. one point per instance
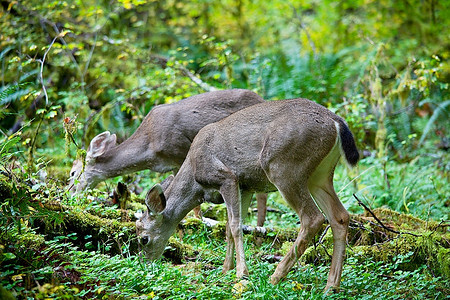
(162, 140)
(291, 146)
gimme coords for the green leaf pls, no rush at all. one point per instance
(9, 255)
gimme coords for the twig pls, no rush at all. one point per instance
(86, 67)
(42, 62)
(323, 234)
(378, 220)
(41, 78)
(340, 191)
(163, 61)
(305, 29)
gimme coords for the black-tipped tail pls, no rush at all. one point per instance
(348, 144)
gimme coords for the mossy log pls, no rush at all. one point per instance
(426, 243)
(94, 232)
(429, 242)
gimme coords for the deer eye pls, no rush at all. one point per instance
(72, 174)
(145, 240)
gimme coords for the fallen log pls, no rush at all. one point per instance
(427, 242)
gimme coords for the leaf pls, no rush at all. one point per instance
(9, 255)
(63, 33)
(13, 92)
(51, 114)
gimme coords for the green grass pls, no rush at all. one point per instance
(65, 272)
(59, 269)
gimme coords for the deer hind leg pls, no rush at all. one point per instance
(236, 205)
(338, 217)
(311, 219)
(228, 264)
(321, 186)
(261, 200)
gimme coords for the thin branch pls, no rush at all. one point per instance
(163, 62)
(340, 191)
(323, 234)
(303, 27)
(378, 220)
(86, 67)
(42, 62)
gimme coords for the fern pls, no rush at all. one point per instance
(13, 92)
(441, 108)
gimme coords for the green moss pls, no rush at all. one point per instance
(214, 211)
(443, 259)
(191, 226)
(425, 250)
(136, 199)
(285, 247)
(30, 240)
(401, 221)
(106, 212)
(317, 254)
(84, 220)
(177, 251)
(424, 243)
(192, 222)
(218, 231)
(58, 172)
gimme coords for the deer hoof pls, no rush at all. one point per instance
(331, 289)
(242, 273)
(274, 279)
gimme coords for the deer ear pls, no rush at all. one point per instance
(138, 215)
(155, 200)
(101, 143)
(167, 182)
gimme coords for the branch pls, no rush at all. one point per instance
(305, 29)
(378, 220)
(42, 62)
(163, 62)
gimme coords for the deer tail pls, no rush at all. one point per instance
(348, 145)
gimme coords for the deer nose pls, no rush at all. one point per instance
(144, 240)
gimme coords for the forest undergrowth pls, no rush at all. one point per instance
(70, 70)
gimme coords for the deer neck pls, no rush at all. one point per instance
(127, 157)
(183, 195)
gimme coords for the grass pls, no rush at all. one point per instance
(70, 273)
(71, 267)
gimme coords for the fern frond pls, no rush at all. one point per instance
(442, 107)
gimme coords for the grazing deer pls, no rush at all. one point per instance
(291, 146)
(162, 141)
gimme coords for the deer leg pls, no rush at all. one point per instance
(228, 264)
(262, 209)
(311, 220)
(338, 217)
(231, 195)
(198, 212)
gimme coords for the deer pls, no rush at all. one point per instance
(292, 146)
(161, 142)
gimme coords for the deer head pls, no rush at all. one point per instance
(99, 145)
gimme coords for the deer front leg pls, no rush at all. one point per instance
(231, 195)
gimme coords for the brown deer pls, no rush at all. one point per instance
(162, 141)
(291, 146)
